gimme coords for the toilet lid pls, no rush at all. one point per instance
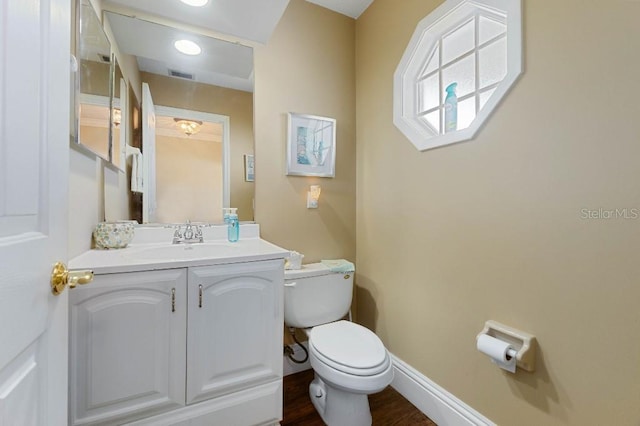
(349, 347)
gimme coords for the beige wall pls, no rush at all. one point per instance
(306, 67)
(493, 228)
(128, 63)
(182, 194)
(235, 104)
(86, 199)
(94, 77)
(96, 138)
(97, 191)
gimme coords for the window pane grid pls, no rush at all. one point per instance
(433, 73)
(491, 25)
(493, 62)
(478, 101)
(491, 41)
(454, 70)
(476, 53)
(430, 66)
(459, 41)
(472, 52)
(461, 98)
(440, 88)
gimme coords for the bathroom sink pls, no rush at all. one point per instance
(185, 251)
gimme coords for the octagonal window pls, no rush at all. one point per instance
(461, 61)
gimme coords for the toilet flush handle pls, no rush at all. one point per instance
(292, 284)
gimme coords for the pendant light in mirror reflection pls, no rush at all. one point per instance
(189, 127)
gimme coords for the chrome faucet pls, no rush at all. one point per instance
(190, 234)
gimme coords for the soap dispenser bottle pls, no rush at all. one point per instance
(451, 109)
(233, 226)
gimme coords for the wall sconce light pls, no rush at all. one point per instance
(313, 196)
(189, 127)
(117, 116)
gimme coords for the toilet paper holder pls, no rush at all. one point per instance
(523, 343)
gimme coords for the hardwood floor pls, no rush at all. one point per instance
(388, 408)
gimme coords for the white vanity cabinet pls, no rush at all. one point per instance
(188, 346)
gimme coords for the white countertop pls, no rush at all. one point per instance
(145, 256)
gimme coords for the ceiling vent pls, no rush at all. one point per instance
(179, 74)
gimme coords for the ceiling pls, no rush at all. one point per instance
(352, 8)
(221, 63)
(252, 20)
(95, 46)
(225, 29)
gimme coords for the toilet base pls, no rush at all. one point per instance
(338, 407)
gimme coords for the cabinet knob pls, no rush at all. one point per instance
(61, 277)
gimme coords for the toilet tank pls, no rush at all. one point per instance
(314, 295)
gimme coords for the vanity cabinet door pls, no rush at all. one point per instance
(235, 322)
(128, 339)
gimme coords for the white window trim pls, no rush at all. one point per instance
(427, 33)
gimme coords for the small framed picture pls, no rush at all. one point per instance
(248, 168)
(311, 145)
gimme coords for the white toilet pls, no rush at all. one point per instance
(349, 361)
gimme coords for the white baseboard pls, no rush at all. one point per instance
(291, 367)
(434, 401)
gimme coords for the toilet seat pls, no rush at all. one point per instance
(349, 357)
(349, 348)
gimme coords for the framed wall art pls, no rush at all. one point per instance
(249, 174)
(311, 145)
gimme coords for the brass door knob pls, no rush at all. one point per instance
(61, 276)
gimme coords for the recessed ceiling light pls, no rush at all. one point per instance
(197, 3)
(187, 47)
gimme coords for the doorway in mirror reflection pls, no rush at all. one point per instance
(181, 149)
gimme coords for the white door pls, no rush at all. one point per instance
(148, 156)
(34, 164)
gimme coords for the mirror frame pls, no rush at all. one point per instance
(77, 94)
(122, 128)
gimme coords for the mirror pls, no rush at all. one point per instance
(119, 117)
(217, 84)
(93, 83)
